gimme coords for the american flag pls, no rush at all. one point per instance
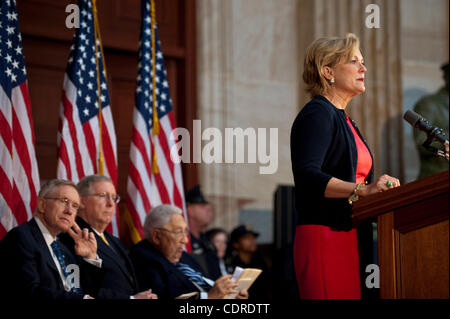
(146, 188)
(19, 176)
(82, 141)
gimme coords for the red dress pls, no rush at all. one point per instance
(326, 261)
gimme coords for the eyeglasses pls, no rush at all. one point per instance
(178, 233)
(106, 196)
(67, 203)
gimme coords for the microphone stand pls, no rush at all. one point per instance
(436, 151)
(433, 133)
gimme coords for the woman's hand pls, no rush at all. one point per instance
(383, 183)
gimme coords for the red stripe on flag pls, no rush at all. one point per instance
(19, 210)
(136, 178)
(140, 145)
(6, 189)
(5, 132)
(166, 150)
(26, 99)
(163, 194)
(68, 113)
(64, 157)
(92, 148)
(172, 122)
(24, 156)
(108, 153)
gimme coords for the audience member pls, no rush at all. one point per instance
(199, 217)
(35, 264)
(98, 205)
(162, 264)
(246, 255)
(219, 238)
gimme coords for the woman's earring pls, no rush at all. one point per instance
(332, 81)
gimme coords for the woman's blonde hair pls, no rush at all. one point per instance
(328, 51)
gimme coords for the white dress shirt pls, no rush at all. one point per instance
(49, 239)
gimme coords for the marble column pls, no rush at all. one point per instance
(248, 77)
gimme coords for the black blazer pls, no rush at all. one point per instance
(118, 279)
(323, 146)
(27, 269)
(154, 271)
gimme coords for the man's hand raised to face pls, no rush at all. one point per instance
(85, 242)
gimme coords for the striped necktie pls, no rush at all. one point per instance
(60, 256)
(193, 275)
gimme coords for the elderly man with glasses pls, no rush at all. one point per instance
(35, 264)
(161, 263)
(98, 205)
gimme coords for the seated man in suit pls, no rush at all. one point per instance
(98, 205)
(35, 264)
(160, 261)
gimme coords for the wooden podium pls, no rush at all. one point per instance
(413, 242)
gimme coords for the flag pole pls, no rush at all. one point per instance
(100, 121)
(155, 130)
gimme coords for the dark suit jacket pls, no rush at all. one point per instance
(27, 269)
(322, 147)
(154, 271)
(118, 280)
(205, 255)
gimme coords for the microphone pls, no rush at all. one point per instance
(422, 124)
(433, 133)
